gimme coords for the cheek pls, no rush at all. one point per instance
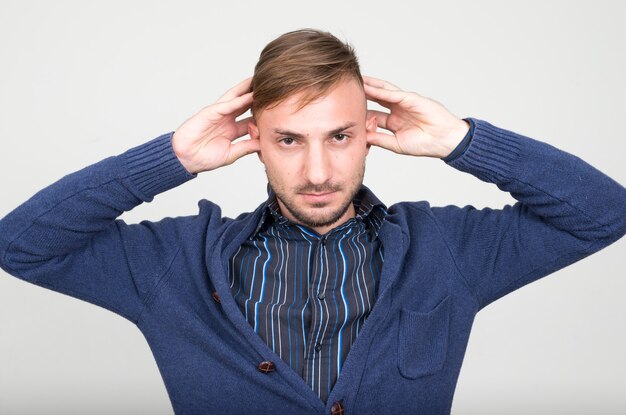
(359, 152)
(279, 165)
(268, 155)
(357, 162)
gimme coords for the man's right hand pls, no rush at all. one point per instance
(205, 141)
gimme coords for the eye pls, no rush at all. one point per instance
(287, 141)
(340, 137)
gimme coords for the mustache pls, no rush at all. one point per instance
(318, 188)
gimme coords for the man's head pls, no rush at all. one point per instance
(310, 115)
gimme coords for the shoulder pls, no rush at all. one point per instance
(409, 211)
(210, 218)
(421, 213)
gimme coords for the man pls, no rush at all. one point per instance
(322, 300)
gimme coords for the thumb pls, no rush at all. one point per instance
(383, 140)
(243, 148)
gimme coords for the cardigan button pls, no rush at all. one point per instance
(266, 366)
(216, 297)
(337, 408)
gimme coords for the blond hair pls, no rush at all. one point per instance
(304, 61)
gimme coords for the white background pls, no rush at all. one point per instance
(82, 80)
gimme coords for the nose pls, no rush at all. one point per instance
(317, 165)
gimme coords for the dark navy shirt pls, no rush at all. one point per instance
(307, 295)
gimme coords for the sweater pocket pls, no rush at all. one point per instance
(423, 340)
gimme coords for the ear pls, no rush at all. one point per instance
(370, 124)
(370, 127)
(253, 132)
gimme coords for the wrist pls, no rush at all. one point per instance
(181, 154)
(452, 144)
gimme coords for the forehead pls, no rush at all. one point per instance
(343, 103)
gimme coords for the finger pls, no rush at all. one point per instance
(384, 96)
(242, 110)
(381, 118)
(238, 90)
(384, 140)
(242, 148)
(379, 83)
(242, 127)
(235, 106)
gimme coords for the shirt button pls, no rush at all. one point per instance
(318, 347)
(321, 295)
(337, 408)
(216, 297)
(266, 366)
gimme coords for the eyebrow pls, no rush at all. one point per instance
(299, 135)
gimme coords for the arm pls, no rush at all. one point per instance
(67, 238)
(566, 209)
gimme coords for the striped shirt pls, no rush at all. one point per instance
(307, 295)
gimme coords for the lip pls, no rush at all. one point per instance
(318, 197)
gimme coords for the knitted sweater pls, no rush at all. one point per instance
(442, 265)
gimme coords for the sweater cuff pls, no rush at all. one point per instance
(492, 153)
(463, 145)
(153, 167)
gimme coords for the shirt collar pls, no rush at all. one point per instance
(368, 208)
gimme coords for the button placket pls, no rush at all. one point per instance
(317, 288)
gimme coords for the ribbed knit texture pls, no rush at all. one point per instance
(441, 266)
(154, 168)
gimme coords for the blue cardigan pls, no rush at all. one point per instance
(442, 265)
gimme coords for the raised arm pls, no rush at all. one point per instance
(67, 237)
(566, 209)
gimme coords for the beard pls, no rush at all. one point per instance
(317, 215)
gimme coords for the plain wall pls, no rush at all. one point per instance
(82, 80)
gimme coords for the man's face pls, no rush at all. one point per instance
(315, 157)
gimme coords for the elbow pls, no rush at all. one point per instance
(614, 224)
(21, 263)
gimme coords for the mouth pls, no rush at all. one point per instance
(318, 198)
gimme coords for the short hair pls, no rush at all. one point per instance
(306, 60)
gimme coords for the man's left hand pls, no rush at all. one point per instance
(420, 126)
